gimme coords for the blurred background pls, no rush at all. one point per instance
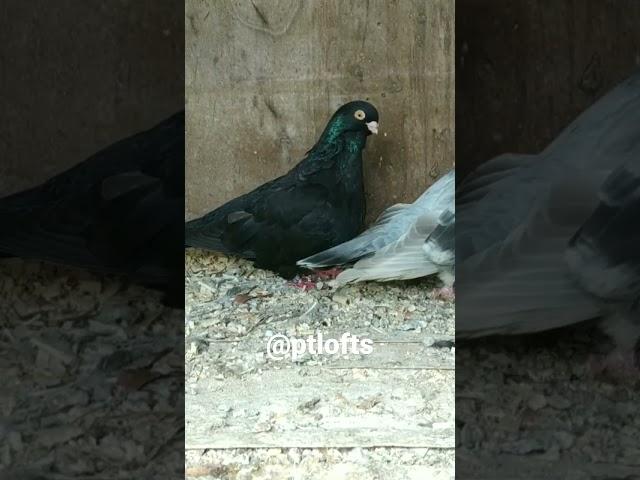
(531, 406)
(69, 88)
(75, 77)
(525, 69)
(263, 78)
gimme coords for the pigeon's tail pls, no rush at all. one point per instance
(36, 243)
(206, 238)
(342, 254)
(388, 228)
(402, 260)
(385, 269)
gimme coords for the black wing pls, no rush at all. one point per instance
(280, 221)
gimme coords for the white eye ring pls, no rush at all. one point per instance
(359, 115)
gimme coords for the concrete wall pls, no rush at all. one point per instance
(526, 68)
(263, 77)
(77, 75)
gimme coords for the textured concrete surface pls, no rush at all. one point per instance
(263, 77)
(80, 75)
(525, 69)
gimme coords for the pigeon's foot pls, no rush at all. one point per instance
(443, 293)
(304, 283)
(325, 275)
(310, 281)
(619, 365)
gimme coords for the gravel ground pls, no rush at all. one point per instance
(535, 407)
(88, 368)
(92, 373)
(233, 308)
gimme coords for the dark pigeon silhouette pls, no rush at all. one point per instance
(316, 205)
(120, 211)
(549, 240)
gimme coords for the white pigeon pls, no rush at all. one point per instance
(549, 240)
(407, 241)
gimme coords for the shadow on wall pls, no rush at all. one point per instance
(262, 80)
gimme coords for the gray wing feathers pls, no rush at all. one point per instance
(401, 260)
(389, 228)
(522, 284)
(534, 237)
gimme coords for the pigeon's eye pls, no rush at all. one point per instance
(359, 115)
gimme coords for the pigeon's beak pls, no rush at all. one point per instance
(373, 127)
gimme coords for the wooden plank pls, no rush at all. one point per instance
(317, 407)
(332, 471)
(337, 438)
(392, 351)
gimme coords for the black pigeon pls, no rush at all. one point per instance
(120, 211)
(316, 205)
